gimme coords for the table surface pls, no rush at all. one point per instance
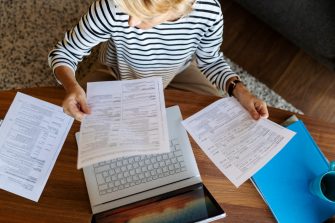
(65, 199)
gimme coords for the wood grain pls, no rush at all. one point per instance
(65, 198)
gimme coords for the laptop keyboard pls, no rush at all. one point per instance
(125, 172)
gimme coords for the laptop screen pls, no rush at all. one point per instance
(191, 204)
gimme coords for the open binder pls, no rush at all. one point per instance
(284, 181)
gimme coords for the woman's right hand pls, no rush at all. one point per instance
(75, 103)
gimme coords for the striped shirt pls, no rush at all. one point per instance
(164, 50)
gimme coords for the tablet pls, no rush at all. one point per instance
(190, 204)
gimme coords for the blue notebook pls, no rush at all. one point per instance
(284, 181)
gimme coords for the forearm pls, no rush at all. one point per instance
(66, 76)
(74, 103)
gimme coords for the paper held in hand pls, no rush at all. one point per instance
(238, 145)
(128, 118)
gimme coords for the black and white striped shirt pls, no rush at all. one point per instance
(164, 50)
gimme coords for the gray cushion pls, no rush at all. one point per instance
(310, 24)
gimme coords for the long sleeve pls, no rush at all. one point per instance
(93, 28)
(208, 56)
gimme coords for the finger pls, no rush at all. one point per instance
(262, 109)
(264, 112)
(253, 112)
(83, 105)
(66, 111)
(73, 110)
(77, 114)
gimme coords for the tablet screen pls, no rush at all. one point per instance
(191, 204)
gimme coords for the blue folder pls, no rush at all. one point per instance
(284, 181)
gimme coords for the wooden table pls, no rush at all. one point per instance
(65, 198)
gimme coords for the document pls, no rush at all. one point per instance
(128, 118)
(31, 137)
(237, 144)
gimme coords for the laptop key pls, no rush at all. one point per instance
(180, 158)
(120, 176)
(111, 172)
(103, 187)
(123, 168)
(102, 168)
(123, 181)
(100, 179)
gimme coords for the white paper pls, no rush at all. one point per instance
(238, 145)
(128, 118)
(31, 137)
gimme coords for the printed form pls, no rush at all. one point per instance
(31, 137)
(237, 144)
(128, 118)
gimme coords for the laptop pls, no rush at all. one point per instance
(152, 188)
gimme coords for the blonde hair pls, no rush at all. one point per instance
(147, 9)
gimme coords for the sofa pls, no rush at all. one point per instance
(309, 24)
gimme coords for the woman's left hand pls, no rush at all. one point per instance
(255, 106)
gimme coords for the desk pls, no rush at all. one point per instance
(65, 198)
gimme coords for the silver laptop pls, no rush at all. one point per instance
(126, 181)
